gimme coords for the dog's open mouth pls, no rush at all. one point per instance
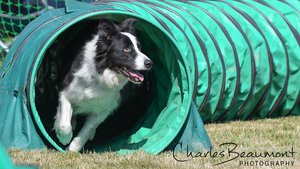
(132, 75)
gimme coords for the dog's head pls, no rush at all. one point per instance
(119, 50)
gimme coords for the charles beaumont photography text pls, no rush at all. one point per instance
(229, 152)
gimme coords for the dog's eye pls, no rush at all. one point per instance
(127, 50)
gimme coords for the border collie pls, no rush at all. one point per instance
(104, 64)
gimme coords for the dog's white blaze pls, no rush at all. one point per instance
(141, 58)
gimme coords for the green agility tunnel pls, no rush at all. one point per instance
(213, 61)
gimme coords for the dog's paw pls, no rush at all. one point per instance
(75, 145)
(64, 134)
(110, 78)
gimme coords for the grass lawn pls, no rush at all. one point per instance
(278, 137)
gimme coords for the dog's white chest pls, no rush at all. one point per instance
(92, 98)
(105, 102)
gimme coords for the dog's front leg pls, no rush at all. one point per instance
(62, 124)
(87, 132)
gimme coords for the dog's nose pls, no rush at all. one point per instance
(148, 64)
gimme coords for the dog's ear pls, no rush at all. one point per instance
(107, 28)
(128, 25)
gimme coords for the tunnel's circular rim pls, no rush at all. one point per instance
(94, 13)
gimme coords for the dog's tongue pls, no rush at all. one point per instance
(136, 75)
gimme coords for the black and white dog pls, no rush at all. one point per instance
(105, 63)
